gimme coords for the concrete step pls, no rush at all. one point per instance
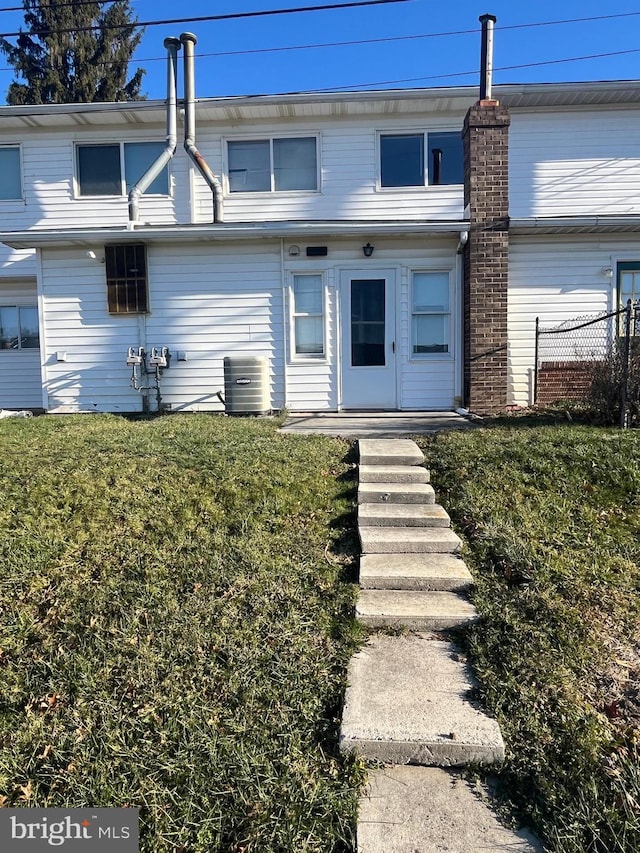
(406, 703)
(418, 610)
(393, 474)
(408, 540)
(431, 810)
(389, 451)
(396, 493)
(402, 515)
(414, 571)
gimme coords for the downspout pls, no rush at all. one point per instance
(172, 45)
(188, 42)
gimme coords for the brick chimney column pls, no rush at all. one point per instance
(485, 137)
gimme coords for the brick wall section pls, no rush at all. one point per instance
(563, 380)
(485, 264)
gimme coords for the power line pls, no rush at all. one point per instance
(232, 16)
(353, 86)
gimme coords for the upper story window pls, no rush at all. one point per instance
(114, 168)
(10, 173)
(19, 327)
(430, 313)
(126, 268)
(420, 159)
(273, 165)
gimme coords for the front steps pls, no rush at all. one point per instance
(408, 700)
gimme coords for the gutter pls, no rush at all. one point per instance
(569, 224)
(94, 237)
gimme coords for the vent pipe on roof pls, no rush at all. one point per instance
(172, 45)
(188, 42)
(486, 56)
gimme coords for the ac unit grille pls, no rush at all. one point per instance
(246, 385)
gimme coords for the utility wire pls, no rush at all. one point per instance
(232, 16)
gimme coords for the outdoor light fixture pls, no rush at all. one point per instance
(367, 250)
(607, 272)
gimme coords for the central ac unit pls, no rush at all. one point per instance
(246, 385)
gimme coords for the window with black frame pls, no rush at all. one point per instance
(126, 270)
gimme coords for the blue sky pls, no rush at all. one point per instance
(429, 61)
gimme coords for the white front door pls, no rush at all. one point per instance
(368, 311)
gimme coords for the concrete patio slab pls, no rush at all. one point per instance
(414, 571)
(408, 703)
(429, 810)
(418, 610)
(373, 424)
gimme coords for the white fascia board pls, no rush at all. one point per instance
(568, 224)
(85, 238)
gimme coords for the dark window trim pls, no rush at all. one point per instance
(126, 274)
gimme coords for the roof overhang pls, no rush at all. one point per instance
(310, 105)
(227, 232)
(575, 225)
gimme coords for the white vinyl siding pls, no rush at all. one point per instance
(575, 162)
(20, 372)
(557, 280)
(208, 303)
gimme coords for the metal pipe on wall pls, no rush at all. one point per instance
(172, 46)
(486, 56)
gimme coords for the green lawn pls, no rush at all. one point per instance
(552, 520)
(175, 624)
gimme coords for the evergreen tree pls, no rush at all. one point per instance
(62, 62)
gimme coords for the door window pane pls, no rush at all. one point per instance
(445, 158)
(10, 173)
(99, 170)
(29, 335)
(138, 157)
(402, 160)
(9, 337)
(294, 164)
(368, 322)
(249, 166)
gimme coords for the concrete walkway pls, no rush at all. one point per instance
(409, 700)
(374, 424)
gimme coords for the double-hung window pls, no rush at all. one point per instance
(420, 159)
(273, 165)
(114, 168)
(430, 313)
(10, 173)
(126, 269)
(19, 327)
(307, 310)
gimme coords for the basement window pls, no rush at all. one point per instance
(10, 173)
(430, 314)
(126, 269)
(273, 165)
(420, 159)
(19, 327)
(113, 169)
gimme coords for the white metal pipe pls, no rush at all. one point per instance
(188, 42)
(172, 45)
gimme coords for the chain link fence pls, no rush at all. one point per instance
(592, 362)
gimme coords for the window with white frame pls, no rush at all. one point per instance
(114, 168)
(19, 327)
(10, 173)
(307, 310)
(272, 165)
(420, 159)
(430, 313)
